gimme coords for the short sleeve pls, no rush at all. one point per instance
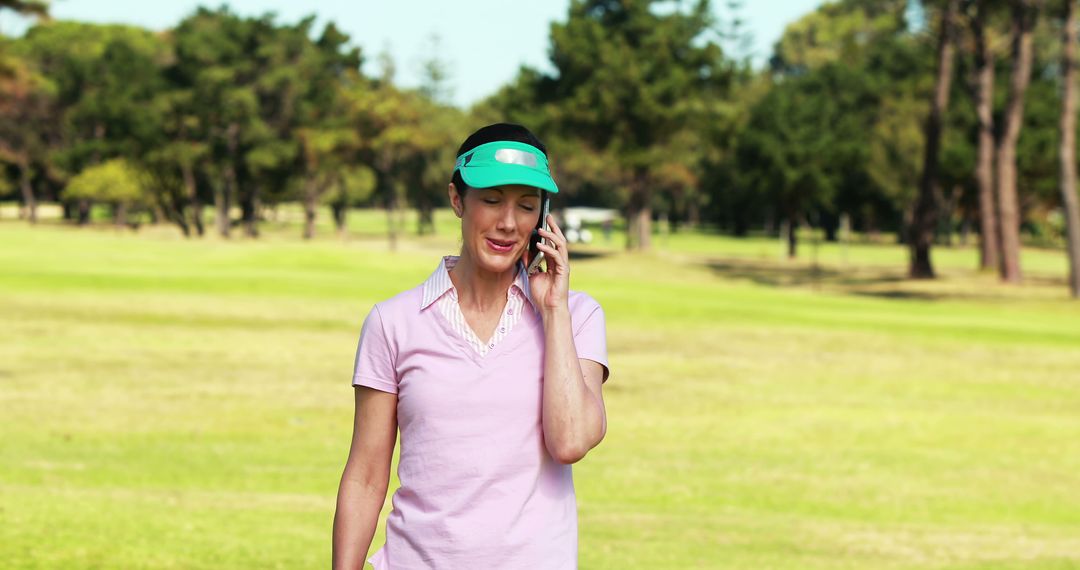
(590, 336)
(374, 364)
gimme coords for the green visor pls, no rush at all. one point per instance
(505, 162)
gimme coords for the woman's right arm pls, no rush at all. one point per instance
(366, 478)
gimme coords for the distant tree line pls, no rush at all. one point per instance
(924, 120)
(220, 111)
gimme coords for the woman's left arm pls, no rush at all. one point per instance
(574, 418)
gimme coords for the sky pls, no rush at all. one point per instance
(482, 42)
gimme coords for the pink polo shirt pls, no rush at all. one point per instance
(478, 487)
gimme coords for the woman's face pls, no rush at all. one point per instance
(496, 223)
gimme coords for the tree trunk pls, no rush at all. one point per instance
(197, 217)
(830, 225)
(1067, 152)
(310, 201)
(173, 207)
(990, 240)
(639, 214)
(926, 207)
(84, 212)
(29, 202)
(741, 226)
(830, 232)
(340, 211)
(945, 221)
(193, 197)
(391, 217)
(693, 212)
(870, 225)
(792, 234)
(644, 226)
(157, 213)
(391, 227)
(229, 191)
(250, 211)
(95, 158)
(845, 236)
(426, 223)
(180, 219)
(120, 214)
(221, 206)
(1008, 208)
(903, 232)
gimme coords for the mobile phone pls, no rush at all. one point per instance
(535, 255)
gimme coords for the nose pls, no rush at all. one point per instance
(507, 220)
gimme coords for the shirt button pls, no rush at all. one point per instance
(509, 311)
(492, 345)
(502, 329)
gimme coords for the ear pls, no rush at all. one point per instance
(455, 200)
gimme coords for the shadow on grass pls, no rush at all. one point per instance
(591, 254)
(901, 295)
(876, 282)
(888, 282)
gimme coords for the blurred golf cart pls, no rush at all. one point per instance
(576, 219)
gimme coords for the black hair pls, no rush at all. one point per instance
(492, 133)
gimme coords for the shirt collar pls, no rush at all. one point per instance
(438, 283)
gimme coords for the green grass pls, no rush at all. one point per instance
(169, 403)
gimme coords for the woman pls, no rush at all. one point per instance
(489, 428)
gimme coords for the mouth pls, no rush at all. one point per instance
(500, 246)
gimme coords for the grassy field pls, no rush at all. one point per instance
(167, 403)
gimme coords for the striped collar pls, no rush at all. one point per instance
(439, 282)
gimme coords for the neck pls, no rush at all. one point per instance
(480, 289)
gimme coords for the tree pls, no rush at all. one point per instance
(328, 140)
(874, 72)
(435, 74)
(116, 182)
(265, 108)
(214, 61)
(924, 223)
(1023, 21)
(36, 8)
(897, 145)
(406, 146)
(628, 75)
(175, 164)
(27, 123)
(324, 151)
(806, 141)
(837, 31)
(983, 95)
(1067, 151)
(445, 125)
(350, 186)
(107, 79)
